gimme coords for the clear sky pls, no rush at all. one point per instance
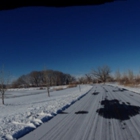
(73, 39)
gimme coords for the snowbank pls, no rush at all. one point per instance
(133, 89)
(22, 114)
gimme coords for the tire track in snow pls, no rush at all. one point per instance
(91, 121)
(85, 107)
(129, 134)
(94, 125)
(68, 122)
(131, 122)
(99, 133)
(109, 122)
(116, 124)
(125, 134)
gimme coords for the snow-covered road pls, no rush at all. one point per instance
(105, 113)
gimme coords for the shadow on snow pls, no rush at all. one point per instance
(81, 112)
(95, 93)
(120, 90)
(115, 109)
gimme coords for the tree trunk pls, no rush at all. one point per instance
(48, 91)
(3, 99)
(79, 88)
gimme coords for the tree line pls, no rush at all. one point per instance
(43, 78)
(104, 74)
(48, 78)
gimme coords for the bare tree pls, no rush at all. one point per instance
(131, 76)
(102, 74)
(88, 78)
(81, 80)
(128, 78)
(22, 81)
(47, 80)
(35, 77)
(118, 76)
(4, 81)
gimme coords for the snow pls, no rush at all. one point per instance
(26, 109)
(105, 113)
(133, 89)
(9, 137)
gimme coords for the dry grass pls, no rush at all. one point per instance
(128, 78)
(72, 85)
(61, 88)
(130, 83)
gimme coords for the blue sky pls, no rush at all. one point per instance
(73, 39)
